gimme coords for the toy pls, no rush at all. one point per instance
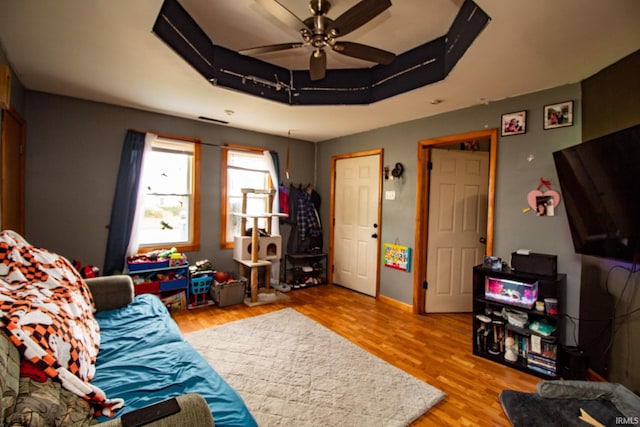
(510, 351)
(221, 276)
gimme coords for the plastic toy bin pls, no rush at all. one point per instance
(147, 265)
(146, 288)
(199, 286)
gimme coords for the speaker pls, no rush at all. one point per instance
(573, 363)
(541, 264)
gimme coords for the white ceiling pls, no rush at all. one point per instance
(104, 50)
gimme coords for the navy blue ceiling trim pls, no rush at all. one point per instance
(176, 27)
(250, 75)
(469, 22)
(420, 66)
(415, 68)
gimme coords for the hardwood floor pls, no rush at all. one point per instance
(435, 348)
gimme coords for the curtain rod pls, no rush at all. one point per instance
(196, 140)
(178, 138)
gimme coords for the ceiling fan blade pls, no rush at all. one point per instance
(271, 48)
(357, 16)
(318, 64)
(361, 51)
(283, 14)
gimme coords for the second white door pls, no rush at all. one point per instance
(356, 232)
(458, 188)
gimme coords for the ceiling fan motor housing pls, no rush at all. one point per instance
(317, 37)
(319, 7)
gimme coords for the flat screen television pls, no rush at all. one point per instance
(600, 184)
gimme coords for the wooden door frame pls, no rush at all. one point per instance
(422, 203)
(334, 160)
(23, 139)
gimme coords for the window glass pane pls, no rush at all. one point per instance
(165, 220)
(245, 170)
(240, 178)
(234, 205)
(167, 173)
(168, 194)
(247, 160)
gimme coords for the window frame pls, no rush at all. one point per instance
(194, 231)
(224, 215)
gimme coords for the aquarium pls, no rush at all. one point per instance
(512, 292)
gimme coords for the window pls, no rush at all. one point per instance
(242, 168)
(171, 196)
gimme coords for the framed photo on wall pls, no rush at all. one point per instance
(558, 115)
(514, 123)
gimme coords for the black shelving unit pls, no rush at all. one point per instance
(305, 270)
(537, 352)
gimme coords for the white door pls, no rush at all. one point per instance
(457, 227)
(356, 213)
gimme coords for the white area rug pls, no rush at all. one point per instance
(292, 371)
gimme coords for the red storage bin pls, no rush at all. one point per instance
(146, 288)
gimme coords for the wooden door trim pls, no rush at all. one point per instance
(23, 140)
(334, 160)
(422, 203)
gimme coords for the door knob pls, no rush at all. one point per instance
(374, 235)
(483, 240)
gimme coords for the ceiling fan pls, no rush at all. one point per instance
(320, 31)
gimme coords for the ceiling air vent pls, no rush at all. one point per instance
(209, 119)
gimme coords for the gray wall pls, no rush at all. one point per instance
(610, 98)
(611, 103)
(74, 146)
(516, 175)
(73, 152)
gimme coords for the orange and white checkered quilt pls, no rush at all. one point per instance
(46, 310)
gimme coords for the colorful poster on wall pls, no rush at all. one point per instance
(397, 256)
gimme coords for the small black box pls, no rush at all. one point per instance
(573, 363)
(542, 264)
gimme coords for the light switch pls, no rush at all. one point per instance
(390, 195)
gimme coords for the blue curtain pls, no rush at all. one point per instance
(276, 165)
(124, 202)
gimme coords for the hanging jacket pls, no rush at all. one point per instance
(307, 217)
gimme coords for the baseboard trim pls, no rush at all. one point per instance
(395, 303)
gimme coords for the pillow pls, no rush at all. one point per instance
(46, 310)
(43, 404)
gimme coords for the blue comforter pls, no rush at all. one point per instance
(143, 359)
